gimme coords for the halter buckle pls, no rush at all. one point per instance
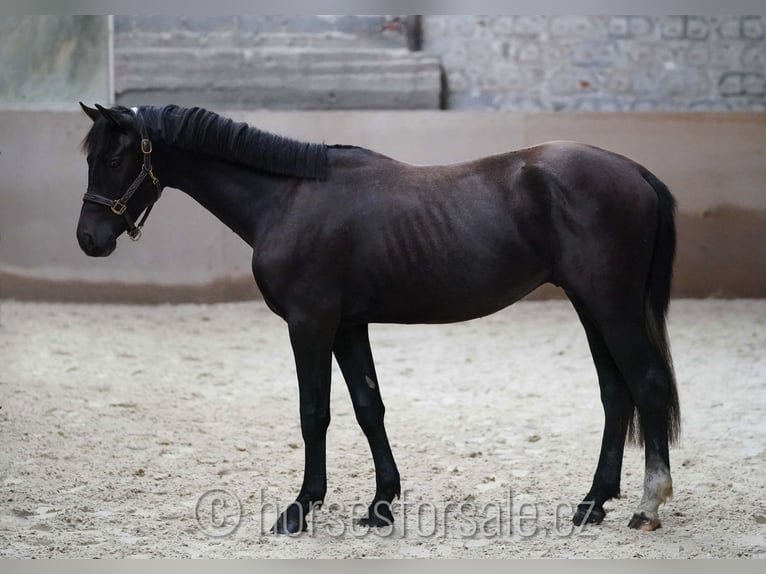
(146, 146)
(118, 207)
(135, 235)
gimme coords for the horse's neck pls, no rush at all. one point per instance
(240, 198)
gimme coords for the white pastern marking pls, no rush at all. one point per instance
(658, 487)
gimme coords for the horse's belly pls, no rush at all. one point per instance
(444, 264)
(450, 297)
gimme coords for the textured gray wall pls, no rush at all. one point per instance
(622, 63)
(51, 62)
(522, 63)
(519, 63)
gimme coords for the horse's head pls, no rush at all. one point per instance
(121, 182)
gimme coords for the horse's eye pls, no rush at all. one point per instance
(114, 162)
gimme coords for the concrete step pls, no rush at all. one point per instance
(279, 77)
(144, 31)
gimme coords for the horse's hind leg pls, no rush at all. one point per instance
(651, 384)
(618, 411)
(649, 377)
(352, 350)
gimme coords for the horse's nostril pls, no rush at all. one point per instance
(86, 240)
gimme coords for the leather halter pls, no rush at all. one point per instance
(120, 206)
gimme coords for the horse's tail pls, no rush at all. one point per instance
(657, 298)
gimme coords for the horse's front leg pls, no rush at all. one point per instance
(352, 350)
(312, 343)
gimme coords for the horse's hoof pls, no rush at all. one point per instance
(291, 521)
(643, 522)
(287, 527)
(374, 521)
(588, 514)
(377, 517)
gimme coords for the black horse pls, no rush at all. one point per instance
(343, 237)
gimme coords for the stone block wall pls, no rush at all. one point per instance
(610, 63)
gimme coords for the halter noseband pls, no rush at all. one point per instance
(120, 206)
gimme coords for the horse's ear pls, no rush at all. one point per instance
(92, 113)
(110, 115)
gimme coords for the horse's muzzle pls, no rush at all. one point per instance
(93, 246)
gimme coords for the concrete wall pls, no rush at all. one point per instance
(48, 62)
(714, 163)
(273, 62)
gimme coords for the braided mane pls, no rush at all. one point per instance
(205, 132)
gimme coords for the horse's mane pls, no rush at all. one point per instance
(205, 132)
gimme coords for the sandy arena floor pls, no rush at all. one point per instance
(115, 420)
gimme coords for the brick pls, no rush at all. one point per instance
(696, 28)
(534, 76)
(618, 27)
(521, 104)
(726, 55)
(529, 53)
(645, 105)
(619, 82)
(596, 104)
(698, 55)
(479, 53)
(754, 57)
(672, 27)
(466, 101)
(528, 26)
(645, 82)
(501, 25)
(593, 53)
(571, 26)
(457, 81)
(709, 105)
(752, 28)
(641, 53)
(640, 26)
(553, 54)
(462, 25)
(687, 82)
(492, 82)
(754, 84)
(572, 81)
(730, 84)
(730, 28)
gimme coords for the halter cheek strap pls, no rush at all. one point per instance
(120, 206)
